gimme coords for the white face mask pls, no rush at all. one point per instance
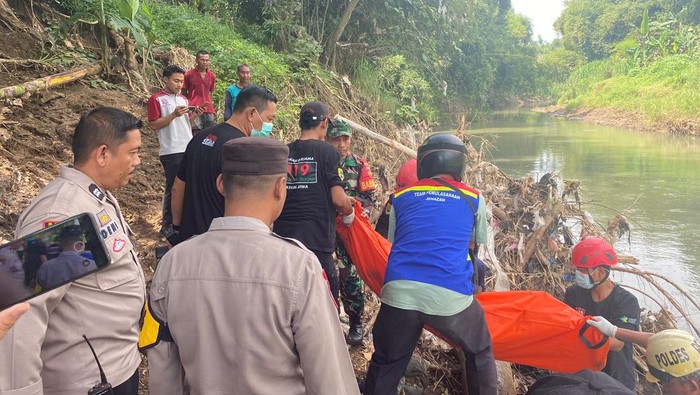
(583, 280)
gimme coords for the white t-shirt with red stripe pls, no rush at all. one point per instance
(174, 137)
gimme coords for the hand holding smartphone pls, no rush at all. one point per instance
(49, 258)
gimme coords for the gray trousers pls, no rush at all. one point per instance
(396, 334)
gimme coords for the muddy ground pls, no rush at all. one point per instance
(623, 120)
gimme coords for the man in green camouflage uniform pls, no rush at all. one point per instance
(359, 184)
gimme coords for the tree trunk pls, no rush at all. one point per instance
(50, 81)
(329, 49)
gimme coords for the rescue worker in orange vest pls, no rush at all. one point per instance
(596, 294)
(429, 273)
(358, 183)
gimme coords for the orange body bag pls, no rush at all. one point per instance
(527, 327)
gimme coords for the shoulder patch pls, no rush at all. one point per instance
(628, 320)
(103, 218)
(96, 192)
(47, 223)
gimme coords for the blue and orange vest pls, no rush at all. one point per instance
(434, 225)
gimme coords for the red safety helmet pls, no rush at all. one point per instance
(593, 252)
(408, 174)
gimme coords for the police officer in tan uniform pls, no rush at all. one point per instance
(246, 311)
(45, 351)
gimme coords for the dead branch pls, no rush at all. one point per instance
(378, 137)
(648, 277)
(536, 238)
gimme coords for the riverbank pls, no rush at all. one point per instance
(659, 96)
(623, 120)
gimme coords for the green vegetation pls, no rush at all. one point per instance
(413, 58)
(665, 90)
(644, 57)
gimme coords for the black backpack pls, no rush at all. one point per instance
(585, 382)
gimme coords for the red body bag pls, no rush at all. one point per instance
(527, 327)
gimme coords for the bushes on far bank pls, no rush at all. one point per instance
(664, 90)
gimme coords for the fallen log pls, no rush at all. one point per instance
(50, 81)
(378, 137)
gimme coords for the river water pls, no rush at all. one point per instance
(653, 178)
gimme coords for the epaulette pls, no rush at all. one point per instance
(292, 241)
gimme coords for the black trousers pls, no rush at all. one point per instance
(129, 387)
(328, 265)
(171, 165)
(396, 334)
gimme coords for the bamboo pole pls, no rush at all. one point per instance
(376, 136)
(50, 81)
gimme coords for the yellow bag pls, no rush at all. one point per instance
(152, 331)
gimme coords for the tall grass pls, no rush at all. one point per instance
(368, 80)
(665, 90)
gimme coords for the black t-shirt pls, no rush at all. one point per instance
(200, 167)
(621, 308)
(309, 214)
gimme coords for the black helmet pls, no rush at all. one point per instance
(442, 153)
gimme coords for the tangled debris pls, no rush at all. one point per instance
(534, 226)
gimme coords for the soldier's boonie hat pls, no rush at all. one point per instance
(250, 156)
(672, 353)
(340, 128)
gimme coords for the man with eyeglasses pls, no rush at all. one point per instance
(45, 351)
(315, 193)
(596, 294)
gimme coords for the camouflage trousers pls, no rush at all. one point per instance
(351, 293)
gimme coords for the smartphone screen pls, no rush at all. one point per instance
(49, 258)
(191, 108)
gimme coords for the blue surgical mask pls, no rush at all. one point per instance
(583, 280)
(264, 131)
